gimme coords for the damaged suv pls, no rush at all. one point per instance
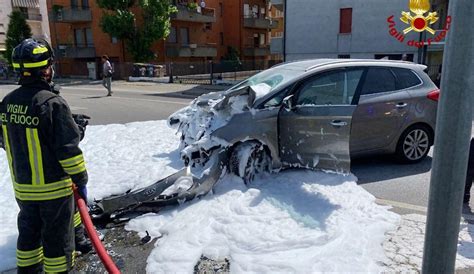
(313, 114)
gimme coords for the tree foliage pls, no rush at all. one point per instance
(18, 30)
(139, 23)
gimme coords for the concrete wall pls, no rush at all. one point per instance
(5, 10)
(313, 29)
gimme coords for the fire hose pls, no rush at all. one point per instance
(96, 242)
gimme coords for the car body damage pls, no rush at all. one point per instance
(297, 114)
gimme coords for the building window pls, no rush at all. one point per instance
(79, 36)
(221, 8)
(85, 4)
(113, 40)
(184, 36)
(344, 56)
(262, 39)
(172, 37)
(345, 23)
(208, 26)
(74, 4)
(89, 39)
(222, 38)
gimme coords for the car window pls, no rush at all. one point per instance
(378, 80)
(276, 99)
(333, 88)
(406, 78)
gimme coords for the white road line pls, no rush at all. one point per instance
(402, 205)
(76, 108)
(134, 99)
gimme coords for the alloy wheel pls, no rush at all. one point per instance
(416, 144)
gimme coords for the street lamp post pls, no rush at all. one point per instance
(453, 132)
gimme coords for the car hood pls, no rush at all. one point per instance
(207, 113)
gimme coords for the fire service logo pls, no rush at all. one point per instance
(418, 22)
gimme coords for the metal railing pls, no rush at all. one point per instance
(203, 15)
(191, 50)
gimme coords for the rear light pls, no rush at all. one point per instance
(433, 95)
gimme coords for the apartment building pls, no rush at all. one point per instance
(359, 29)
(78, 39)
(196, 33)
(247, 26)
(277, 12)
(35, 12)
(201, 30)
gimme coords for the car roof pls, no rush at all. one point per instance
(310, 64)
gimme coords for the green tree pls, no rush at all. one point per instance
(120, 21)
(18, 30)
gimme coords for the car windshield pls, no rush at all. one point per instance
(270, 79)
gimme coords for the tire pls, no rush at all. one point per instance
(249, 159)
(414, 144)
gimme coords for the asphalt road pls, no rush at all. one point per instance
(405, 187)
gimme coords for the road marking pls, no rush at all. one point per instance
(130, 98)
(76, 108)
(402, 205)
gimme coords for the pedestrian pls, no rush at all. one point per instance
(107, 71)
(41, 141)
(438, 76)
(469, 174)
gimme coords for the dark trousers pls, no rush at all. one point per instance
(46, 236)
(469, 173)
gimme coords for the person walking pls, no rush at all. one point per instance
(107, 71)
(41, 141)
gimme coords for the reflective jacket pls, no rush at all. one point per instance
(41, 140)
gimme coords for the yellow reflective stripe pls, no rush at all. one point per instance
(43, 196)
(72, 161)
(16, 65)
(77, 219)
(54, 261)
(28, 262)
(76, 169)
(40, 49)
(43, 188)
(56, 268)
(36, 64)
(35, 155)
(7, 148)
(29, 253)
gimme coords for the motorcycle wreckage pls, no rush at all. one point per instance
(184, 185)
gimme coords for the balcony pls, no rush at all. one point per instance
(200, 15)
(71, 51)
(260, 23)
(72, 15)
(257, 51)
(276, 45)
(191, 50)
(33, 17)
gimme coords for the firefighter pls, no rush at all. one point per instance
(41, 140)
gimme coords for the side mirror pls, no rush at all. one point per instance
(288, 103)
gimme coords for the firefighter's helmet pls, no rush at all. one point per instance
(31, 56)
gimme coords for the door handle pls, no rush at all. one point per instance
(401, 105)
(338, 123)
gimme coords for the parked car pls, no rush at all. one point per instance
(314, 114)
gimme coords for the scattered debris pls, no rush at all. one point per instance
(209, 266)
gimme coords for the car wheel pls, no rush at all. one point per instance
(248, 159)
(414, 144)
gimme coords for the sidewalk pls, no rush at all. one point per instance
(404, 246)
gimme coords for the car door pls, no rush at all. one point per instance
(380, 113)
(315, 124)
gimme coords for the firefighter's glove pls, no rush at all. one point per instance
(80, 179)
(82, 121)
